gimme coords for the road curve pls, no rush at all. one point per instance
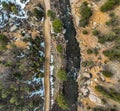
(47, 39)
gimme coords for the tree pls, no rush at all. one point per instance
(85, 32)
(62, 75)
(61, 101)
(95, 32)
(109, 5)
(14, 9)
(89, 51)
(6, 6)
(86, 13)
(107, 73)
(38, 13)
(59, 48)
(57, 25)
(51, 14)
(3, 39)
(13, 100)
(4, 94)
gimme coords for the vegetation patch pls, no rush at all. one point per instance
(107, 37)
(38, 13)
(86, 13)
(95, 32)
(107, 73)
(62, 75)
(61, 101)
(85, 32)
(87, 63)
(113, 54)
(59, 48)
(109, 5)
(57, 26)
(51, 14)
(89, 51)
(112, 94)
(10, 7)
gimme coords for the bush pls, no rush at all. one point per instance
(113, 22)
(3, 42)
(87, 63)
(86, 13)
(107, 37)
(109, 5)
(57, 25)
(3, 39)
(13, 100)
(10, 7)
(59, 48)
(112, 15)
(112, 54)
(107, 73)
(83, 22)
(95, 32)
(112, 94)
(61, 101)
(14, 9)
(51, 14)
(38, 13)
(89, 51)
(85, 32)
(62, 75)
(6, 6)
(96, 51)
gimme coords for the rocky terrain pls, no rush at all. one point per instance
(93, 59)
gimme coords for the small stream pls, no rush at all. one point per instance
(70, 87)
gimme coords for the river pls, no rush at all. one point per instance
(70, 87)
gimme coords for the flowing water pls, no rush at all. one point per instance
(70, 89)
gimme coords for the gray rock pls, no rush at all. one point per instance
(87, 75)
(13, 28)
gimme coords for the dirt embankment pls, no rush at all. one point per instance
(89, 41)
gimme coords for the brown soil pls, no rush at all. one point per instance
(47, 56)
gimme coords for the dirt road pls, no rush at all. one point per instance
(47, 57)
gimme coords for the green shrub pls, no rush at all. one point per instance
(62, 75)
(14, 9)
(107, 73)
(112, 14)
(51, 14)
(83, 22)
(113, 54)
(109, 5)
(61, 101)
(113, 22)
(10, 7)
(112, 94)
(57, 25)
(107, 37)
(89, 51)
(3, 42)
(59, 48)
(38, 13)
(86, 13)
(85, 32)
(87, 63)
(3, 39)
(96, 51)
(13, 100)
(95, 32)
(6, 6)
